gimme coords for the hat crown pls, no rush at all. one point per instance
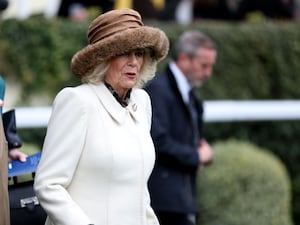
(116, 32)
(113, 22)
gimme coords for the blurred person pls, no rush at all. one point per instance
(146, 8)
(180, 11)
(215, 9)
(181, 150)
(169, 9)
(4, 212)
(4, 200)
(149, 9)
(77, 10)
(184, 12)
(19, 9)
(98, 153)
(270, 8)
(3, 4)
(14, 142)
(13, 154)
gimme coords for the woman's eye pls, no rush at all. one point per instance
(139, 53)
(124, 54)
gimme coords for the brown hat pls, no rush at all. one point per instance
(114, 33)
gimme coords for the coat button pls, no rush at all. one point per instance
(134, 107)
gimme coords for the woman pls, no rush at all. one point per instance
(98, 152)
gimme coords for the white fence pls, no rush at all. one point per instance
(222, 111)
(215, 111)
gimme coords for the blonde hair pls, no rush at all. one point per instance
(96, 76)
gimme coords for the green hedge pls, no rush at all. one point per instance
(245, 185)
(256, 61)
(280, 137)
(36, 53)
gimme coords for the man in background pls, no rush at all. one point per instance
(181, 150)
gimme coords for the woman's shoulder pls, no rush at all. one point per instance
(79, 90)
(139, 94)
(75, 95)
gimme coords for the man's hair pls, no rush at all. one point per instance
(190, 41)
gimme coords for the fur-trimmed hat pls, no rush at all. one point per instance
(114, 33)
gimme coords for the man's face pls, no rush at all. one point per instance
(200, 67)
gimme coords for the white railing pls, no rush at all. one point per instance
(32, 117)
(222, 111)
(215, 111)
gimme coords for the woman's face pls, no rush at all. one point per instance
(123, 71)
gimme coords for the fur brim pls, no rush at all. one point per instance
(144, 37)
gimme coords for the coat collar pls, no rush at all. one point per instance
(172, 81)
(113, 107)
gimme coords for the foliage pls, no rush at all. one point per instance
(246, 185)
(37, 53)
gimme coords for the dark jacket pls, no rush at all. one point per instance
(3, 4)
(172, 185)
(10, 130)
(9, 121)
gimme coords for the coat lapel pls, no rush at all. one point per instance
(116, 111)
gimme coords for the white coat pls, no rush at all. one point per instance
(96, 159)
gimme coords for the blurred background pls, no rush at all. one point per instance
(255, 178)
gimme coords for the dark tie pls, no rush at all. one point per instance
(194, 115)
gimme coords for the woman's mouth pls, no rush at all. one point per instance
(131, 75)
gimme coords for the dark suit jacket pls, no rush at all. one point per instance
(172, 183)
(9, 121)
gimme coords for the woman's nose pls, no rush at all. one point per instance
(132, 59)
